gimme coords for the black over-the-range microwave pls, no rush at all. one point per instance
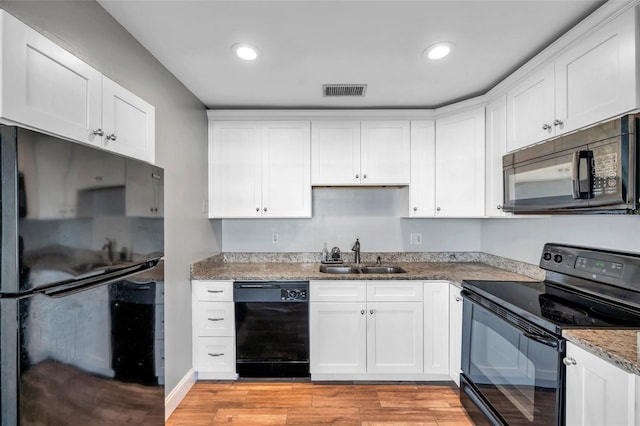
(589, 171)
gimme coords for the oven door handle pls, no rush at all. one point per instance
(548, 341)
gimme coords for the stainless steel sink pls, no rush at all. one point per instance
(339, 269)
(382, 270)
(361, 269)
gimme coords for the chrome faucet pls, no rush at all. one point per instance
(109, 248)
(356, 248)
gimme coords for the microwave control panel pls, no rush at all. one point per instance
(605, 174)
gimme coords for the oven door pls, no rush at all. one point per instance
(511, 371)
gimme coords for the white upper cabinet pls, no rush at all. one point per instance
(128, 122)
(592, 80)
(596, 78)
(495, 148)
(259, 169)
(335, 152)
(421, 191)
(530, 109)
(460, 164)
(46, 88)
(360, 153)
(385, 151)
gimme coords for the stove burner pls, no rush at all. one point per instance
(556, 310)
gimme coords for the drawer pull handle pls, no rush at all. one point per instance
(215, 291)
(220, 354)
(215, 319)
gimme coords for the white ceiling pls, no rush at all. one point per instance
(307, 43)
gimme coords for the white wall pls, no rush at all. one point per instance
(342, 214)
(88, 31)
(523, 239)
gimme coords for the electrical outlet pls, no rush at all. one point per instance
(275, 238)
(415, 238)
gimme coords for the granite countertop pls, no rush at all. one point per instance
(620, 347)
(215, 269)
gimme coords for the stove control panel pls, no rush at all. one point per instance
(605, 266)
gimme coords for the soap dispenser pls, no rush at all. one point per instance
(325, 253)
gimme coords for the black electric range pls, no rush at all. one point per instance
(512, 344)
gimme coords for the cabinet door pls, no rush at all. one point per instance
(436, 328)
(46, 87)
(338, 337)
(144, 193)
(128, 122)
(286, 169)
(422, 200)
(455, 333)
(597, 392)
(596, 79)
(495, 148)
(460, 164)
(394, 337)
(335, 152)
(530, 109)
(385, 152)
(235, 169)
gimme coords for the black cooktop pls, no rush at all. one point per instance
(553, 307)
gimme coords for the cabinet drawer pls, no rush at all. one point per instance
(338, 291)
(215, 291)
(215, 354)
(394, 291)
(215, 318)
(159, 322)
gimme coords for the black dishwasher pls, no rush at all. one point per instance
(272, 328)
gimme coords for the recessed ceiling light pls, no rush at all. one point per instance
(438, 50)
(245, 51)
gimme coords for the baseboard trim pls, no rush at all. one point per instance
(178, 393)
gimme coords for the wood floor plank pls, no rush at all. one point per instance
(307, 403)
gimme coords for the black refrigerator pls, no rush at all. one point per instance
(81, 284)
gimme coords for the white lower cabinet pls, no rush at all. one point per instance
(214, 354)
(379, 330)
(455, 333)
(597, 392)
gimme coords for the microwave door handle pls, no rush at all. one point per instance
(582, 173)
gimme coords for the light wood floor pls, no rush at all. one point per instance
(305, 403)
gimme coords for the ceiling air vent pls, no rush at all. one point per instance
(344, 89)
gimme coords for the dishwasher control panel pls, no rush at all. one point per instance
(293, 294)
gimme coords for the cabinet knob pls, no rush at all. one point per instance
(568, 361)
(357, 176)
(364, 176)
(265, 209)
(438, 209)
(546, 126)
(151, 209)
(557, 122)
(371, 311)
(112, 137)
(98, 132)
(458, 298)
(257, 209)
(415, 209)
(499, 207)
(362, 312)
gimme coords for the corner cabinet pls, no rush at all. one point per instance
(214, 343)
(459, 164)
(259, 169)
(597, 392)
(577, 89)
(46, 88)
(347, 153)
